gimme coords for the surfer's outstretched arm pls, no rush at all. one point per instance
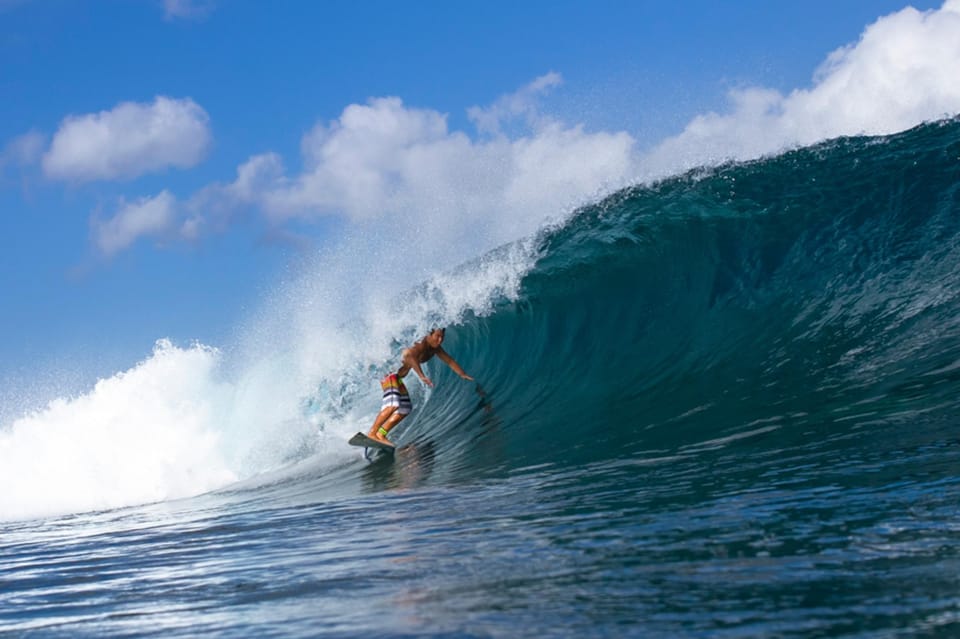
(452, 363)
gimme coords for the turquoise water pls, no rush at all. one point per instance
(725, 405)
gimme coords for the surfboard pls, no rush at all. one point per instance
(366, 442)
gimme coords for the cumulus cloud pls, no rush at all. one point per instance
(128, 141)
(397, 174)
(150, 216)
(904, 70)
(384, 160)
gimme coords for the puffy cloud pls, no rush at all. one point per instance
(385, 161)
(128, 141)
(395, 174)
(368, 162)
(214, 207)
(154, 216)
(904, 70)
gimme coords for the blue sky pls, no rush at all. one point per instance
(165, 167)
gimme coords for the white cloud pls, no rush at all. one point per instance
(384, 161)
(128, 141)
(399, 177)
(904, 70)
(397, 187)
(156, 216)
(520, 104)
(214, 207)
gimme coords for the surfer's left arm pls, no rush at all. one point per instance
(452, 363)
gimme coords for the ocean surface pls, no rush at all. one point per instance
(726, 404)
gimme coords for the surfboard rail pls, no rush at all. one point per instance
(363, 441)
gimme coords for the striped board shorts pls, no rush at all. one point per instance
(395, 394)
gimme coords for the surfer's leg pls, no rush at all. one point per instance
(382, 417)
(396, 405)
(387, 426)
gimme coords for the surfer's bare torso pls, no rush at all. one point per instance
(423, 351)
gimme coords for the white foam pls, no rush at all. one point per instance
(147, 434)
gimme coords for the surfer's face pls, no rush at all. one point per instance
(435, 338)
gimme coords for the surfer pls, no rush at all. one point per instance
(396, 400)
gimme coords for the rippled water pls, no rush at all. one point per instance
(826, 542)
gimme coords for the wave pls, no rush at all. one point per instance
(813, 292)
(754, 308)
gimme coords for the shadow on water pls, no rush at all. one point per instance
(410, 466)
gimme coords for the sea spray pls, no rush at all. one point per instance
(147, 434)
(299, 380)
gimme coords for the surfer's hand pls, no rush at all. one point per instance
(428, 382)
(467, 377)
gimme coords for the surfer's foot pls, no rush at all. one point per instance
(383, 439)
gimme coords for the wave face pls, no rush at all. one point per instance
(721, 405)
(809, 300)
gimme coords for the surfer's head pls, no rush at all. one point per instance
(435, 337)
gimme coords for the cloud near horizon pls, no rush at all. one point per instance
(128, 141)
(904, 70)
(384, 164)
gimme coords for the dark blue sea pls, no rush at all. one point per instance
(726, 404)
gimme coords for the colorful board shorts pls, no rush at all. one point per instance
(395, 394)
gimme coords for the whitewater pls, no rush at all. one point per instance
(719, 404)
